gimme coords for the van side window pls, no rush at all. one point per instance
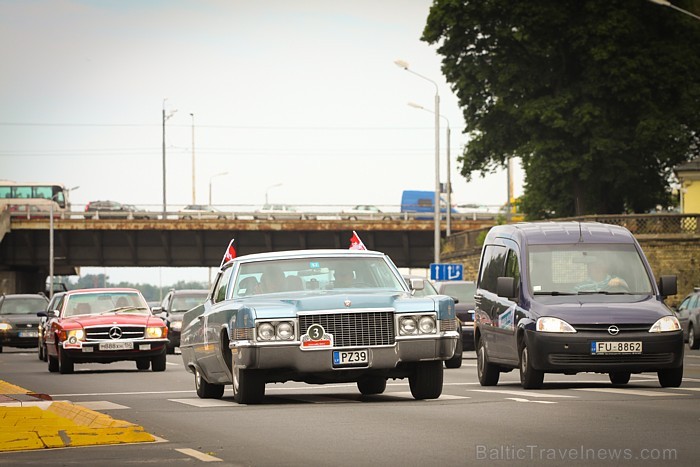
(222, 285)
(512, 266)
(493, 266)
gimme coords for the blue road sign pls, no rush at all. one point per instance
(446, 272)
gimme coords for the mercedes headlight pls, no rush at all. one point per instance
(549, 324)
(154, 332)
(79, 334)
(666, 324)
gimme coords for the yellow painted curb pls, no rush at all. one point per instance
(61, 424)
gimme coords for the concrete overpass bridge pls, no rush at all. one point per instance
(79, 242)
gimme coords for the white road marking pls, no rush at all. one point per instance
(631, 392)
(204, 403)
(518, 399)
(100, 394)
(101, 405)
(684, 389)
(198, 455)
(522, 393)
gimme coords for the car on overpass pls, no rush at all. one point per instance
(201, 211)
(364, 212)
(316, 316)
(113, 210)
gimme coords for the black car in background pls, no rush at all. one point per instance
(19, 324)
(173, 308)
(463, 294)
(113, 210)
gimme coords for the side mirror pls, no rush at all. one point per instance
(505, 287)
(156, 309)
(456, 300)
(417, 284)
(668, 285)
(42, 314)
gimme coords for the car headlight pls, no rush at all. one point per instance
(176, 325)
(408, 326)
(427, 325)
(285, 331)
(79, 334)
(666, 324)
(549, 324)
(266, 332)
(156, 332)
(5, 326)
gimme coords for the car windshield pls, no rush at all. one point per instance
(101, 302)
(316, 274)
(184, 302)
(464, 292)
(22, 306)
(585, 268)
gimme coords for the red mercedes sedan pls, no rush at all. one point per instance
(104, 326)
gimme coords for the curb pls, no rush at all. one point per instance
(30, 421)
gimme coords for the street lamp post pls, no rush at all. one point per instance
(449, 176)
(436, 202)
(270, 188)
(51, 241)
(210, 179)
(165, 118)
(671, 5)
(194, 198)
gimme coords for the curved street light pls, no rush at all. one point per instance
(210, 179)
(270, 188)
(51, 243)
(404, 65)
(671, 5)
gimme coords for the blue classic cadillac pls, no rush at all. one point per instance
(316, 316)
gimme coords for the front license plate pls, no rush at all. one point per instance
(607, 347)
(350, 357)
(117, 345)
(29, 334)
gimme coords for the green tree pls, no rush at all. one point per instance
(598, 98)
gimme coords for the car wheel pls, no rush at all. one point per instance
(372, 385)
(158, 362)
(426, 380)
(0, 348)
(529, 377)
(488, 373)
(65, 364)
(456, 360)
(671, 378)
(248, 386)
(352, 218)
(143, 363)
(46, 354)
(206, 390)
(619, 377)
(187, 218)
(53, 364)
(693, 343)
(170, 350)
(41, 352)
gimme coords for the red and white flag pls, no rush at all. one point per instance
(230, 253)
(356, 243)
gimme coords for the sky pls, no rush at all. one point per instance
(299, 102)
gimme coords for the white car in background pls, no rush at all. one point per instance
(200, 211)
(365, 212)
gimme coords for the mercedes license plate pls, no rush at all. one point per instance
(127, 345)
(350, 357)
(608, 347)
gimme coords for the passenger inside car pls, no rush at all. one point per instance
(247, 286)
(294, 283)
(82, 309)
(343, 277)
(272, 281)
(122, 302)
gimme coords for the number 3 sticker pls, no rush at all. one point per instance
(316, 332)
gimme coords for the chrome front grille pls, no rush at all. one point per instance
(354, 329)
(102, 333)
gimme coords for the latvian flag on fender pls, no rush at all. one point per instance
(356, 243)
(230, 253)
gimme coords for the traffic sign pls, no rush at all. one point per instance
(446, 272)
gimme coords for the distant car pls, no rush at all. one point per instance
(429, 289)
(277, 212)
(316, 316)
(173, 308)
(463, 293)
(104, 326)
(688, 314)
(201, 211)
(365, 212)
(19, 324)
(43, 320)
(113, 210)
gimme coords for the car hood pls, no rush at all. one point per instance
(290, 306)
(20, 319)
(642, 311)
(114, 318)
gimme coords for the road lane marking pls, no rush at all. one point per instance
(101, 405)
(101, 394)
(198, 455)
(204, 403)
(523, 393)
(518, 399)
(631, 392)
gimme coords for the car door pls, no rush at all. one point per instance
(486, 301)
(507, 311)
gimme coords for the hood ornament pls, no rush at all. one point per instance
(347, 303)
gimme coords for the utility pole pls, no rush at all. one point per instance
(165, 118)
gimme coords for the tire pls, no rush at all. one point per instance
(456, 360)
(671, 378)
(206, 390)
(619, 377)
(158, 362)
(529, 377)
(45, 353)
(0, 348)
(426, 380)
(372, 385)
(53, 364)
(65, 364)
(143, 364)
(488, 373)
(248, 386)
(41, 352)
(693, 343)
(169, 350)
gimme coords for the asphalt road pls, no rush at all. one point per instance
(573, 420)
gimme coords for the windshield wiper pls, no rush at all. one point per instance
(123, 308)
(603, 292)
(554, 293)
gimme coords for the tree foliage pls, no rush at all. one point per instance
(599, 99)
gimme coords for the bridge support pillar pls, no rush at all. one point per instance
(22, 281)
